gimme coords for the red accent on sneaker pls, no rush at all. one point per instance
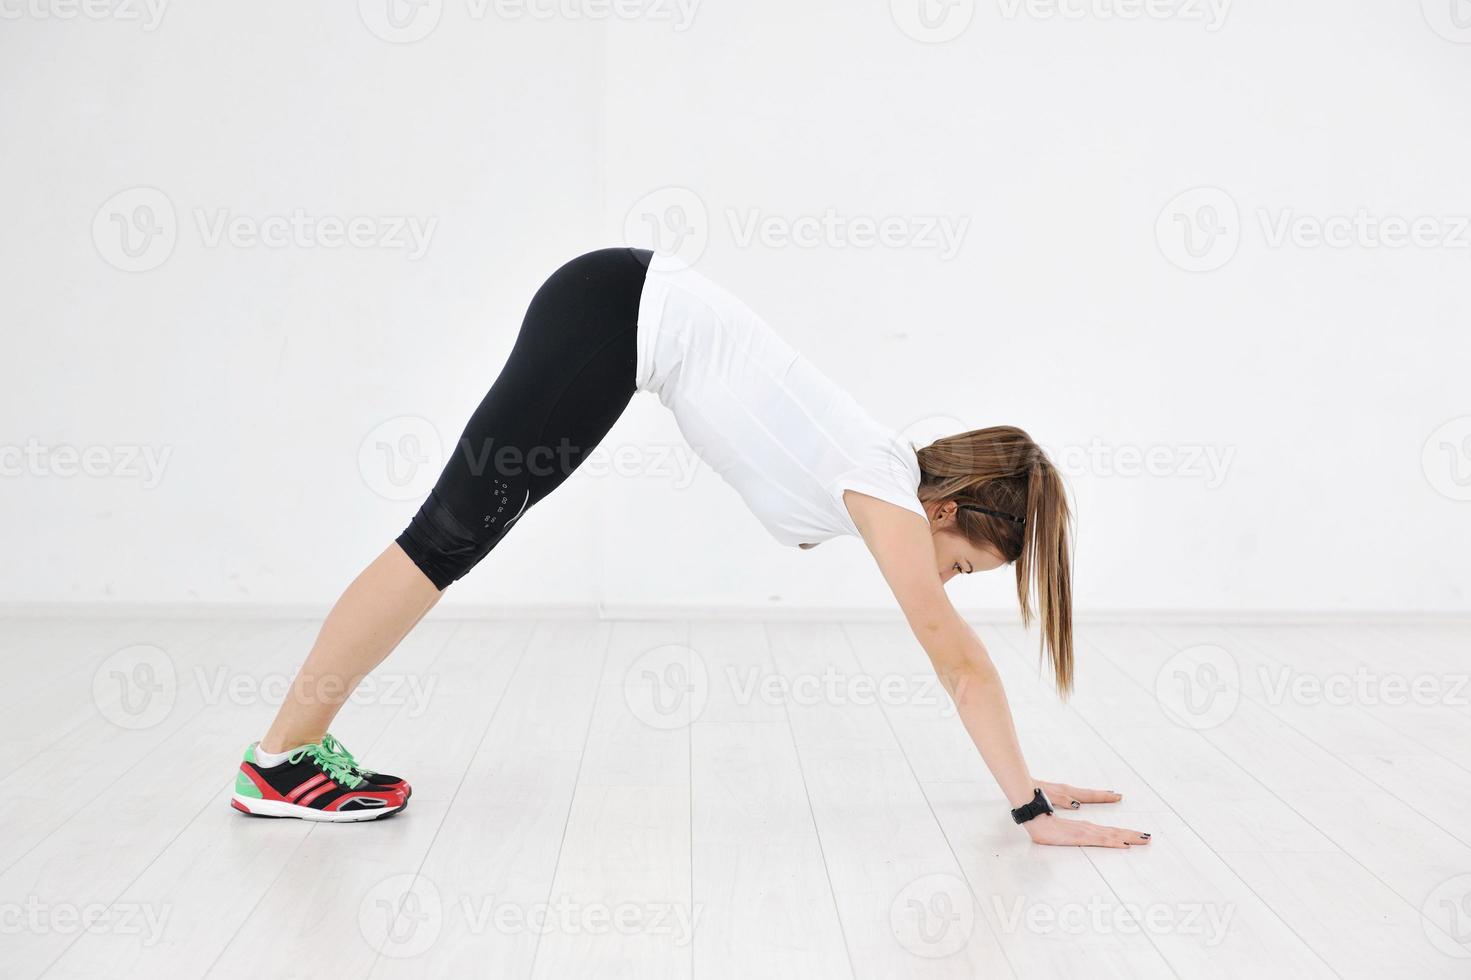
(302, 787)
(326, 787)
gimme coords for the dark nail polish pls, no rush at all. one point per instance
(1074, 804)
(1145, 836)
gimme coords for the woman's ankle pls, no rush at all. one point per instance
(277, 745)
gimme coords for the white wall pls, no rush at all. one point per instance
(1298, 394)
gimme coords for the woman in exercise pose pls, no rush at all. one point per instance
(807, 460)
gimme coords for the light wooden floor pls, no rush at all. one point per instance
(750, 800)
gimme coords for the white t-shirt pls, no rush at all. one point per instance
(778, 430)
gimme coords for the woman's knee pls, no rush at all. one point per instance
(445, 546)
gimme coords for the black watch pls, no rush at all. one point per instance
(1039, 805)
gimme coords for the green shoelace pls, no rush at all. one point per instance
(336, 764)
(337, 748)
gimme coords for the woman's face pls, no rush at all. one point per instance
(954, 555)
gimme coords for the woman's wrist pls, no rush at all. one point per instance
(1021, 794)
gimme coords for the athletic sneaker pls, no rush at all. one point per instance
(380, 780)
(314, 783)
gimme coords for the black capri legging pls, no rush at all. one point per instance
(567, 380)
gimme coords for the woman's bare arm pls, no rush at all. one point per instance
(901, 543)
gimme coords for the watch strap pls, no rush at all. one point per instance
(1039, 805)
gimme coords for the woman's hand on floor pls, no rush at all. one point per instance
(1052, 829)
(1065, 797)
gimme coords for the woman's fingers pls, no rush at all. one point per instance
(1061, 796)
(1093, 795)
(1126, 838)
(1099, 836)
(1104, 836)
(1081, 833)
(1067, 797)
